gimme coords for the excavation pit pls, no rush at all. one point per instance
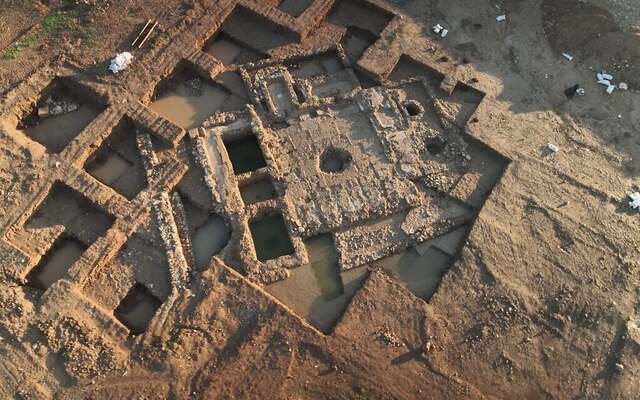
(230, 51)
(295, 8)
(257, 192)
(270, 238)
(323, 259)
(56, 262)
(419, 273)
(188, 99)
(255, 31)
(361, 14)
(245, 154)
(64, 206)
(356, 41)
(407, 68)
(137, 308)
(209, 239)
(334, 160)
(209, 232)
(117, 162)
(60, 114)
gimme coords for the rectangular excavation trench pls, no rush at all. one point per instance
(209, 232)
(361, 14)
(59, 115)
(420, 273)
(244, 153)
(356, 41)
(80, 217)
(407, 68)
(270, 238)
(117, 162)
(244, 27)
(137, 308)
(230, 51)
(322, 64)
(56, 262)
(187, 98)
(257, 191)
(83, 224)
(295, 8)
(319, 291)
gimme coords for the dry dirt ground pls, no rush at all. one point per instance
(540, 294)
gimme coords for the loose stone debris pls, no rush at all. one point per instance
(567, 56)
(440, 30)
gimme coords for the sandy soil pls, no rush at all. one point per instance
(542, 301)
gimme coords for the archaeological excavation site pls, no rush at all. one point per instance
(319, 199)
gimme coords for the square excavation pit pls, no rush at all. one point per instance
(361, 14)
(407, 68)
(270, 238)
(257, 191)
(137, 308)
(356, 41)
(188, 99)
(245, 153)
(295, 8)
(81, 218)
(117, 162)
(59, 115)
(254, 31)
(325, 64)
(56, 262)
(230, 51)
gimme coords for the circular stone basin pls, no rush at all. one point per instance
(334, 160)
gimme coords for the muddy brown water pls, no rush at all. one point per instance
(230, 51)
(56, 132)
(187, 110)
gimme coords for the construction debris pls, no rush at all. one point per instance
(605, 79)
(440, 30)
(120, 62)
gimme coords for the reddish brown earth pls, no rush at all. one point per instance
(540, 299)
